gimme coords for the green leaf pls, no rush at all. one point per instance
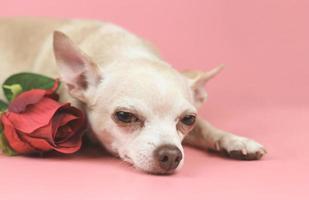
(25, 81)
(14, 89)
(4, 146)
(3, 106)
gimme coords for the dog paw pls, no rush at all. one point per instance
(240, 148)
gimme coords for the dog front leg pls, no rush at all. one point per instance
(205, 136)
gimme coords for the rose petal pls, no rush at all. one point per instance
(67, 118)
(68, 122)
(77, 126)
(48, 132)
(25, 99)
(52, 90)
(38, 143)
(71, 145)
(72, 120)
(80, 121)
(61, 119)
(64, 133)
(45, 132)
(31, 97)
(36, 116)
(13, 138)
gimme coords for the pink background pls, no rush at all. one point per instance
(262, 93)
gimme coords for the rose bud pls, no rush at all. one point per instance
(36, 122)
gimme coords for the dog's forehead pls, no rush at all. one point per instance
(156, 88)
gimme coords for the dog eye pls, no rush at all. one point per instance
(188, 120)
(126, 117)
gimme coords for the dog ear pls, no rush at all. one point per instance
(77, 71)
(197, 81)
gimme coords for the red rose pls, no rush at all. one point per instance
(36, 122)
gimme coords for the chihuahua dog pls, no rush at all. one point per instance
(138, 107)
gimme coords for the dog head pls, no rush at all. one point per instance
(139, 109)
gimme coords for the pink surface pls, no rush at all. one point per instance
(262, 94)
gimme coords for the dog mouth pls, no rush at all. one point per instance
(128, 159)
(154, 169)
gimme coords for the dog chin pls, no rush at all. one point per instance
(149, 166)
(156, 171)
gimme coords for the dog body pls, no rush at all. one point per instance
(138, 106)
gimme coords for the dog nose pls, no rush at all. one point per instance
(168, 157)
